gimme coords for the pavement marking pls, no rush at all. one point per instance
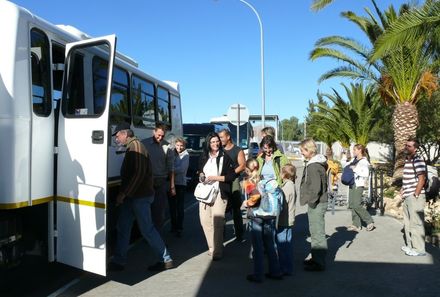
(64, 288)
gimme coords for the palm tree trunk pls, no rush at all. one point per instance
(405, 124)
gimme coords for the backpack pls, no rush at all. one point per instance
(271, 201)
(347, 177)
(432, 183)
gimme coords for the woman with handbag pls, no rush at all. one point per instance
(215, 167)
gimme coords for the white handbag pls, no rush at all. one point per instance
(206, 193)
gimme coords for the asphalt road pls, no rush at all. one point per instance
(359, 264)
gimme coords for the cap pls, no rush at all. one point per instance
(120, 127)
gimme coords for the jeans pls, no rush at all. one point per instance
(285, 249)
(176, 204)
(139, 209)
(263, 237)
(317, 232)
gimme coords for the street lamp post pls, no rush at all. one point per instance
(263, 96)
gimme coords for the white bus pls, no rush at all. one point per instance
(61, 95)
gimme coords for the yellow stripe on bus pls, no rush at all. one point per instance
(81, 202)
(26, 203)
(13, 205)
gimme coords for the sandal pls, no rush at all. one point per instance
(353, 228)
(370, 227)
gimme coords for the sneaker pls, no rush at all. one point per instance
(308, 262)
(405, 248)
(414, 253)
(353, 228)
(370, 227)
(161, 266)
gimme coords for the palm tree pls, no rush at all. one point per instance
(351, 120)
(407, 77)
(404, 74)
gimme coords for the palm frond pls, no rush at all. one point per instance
(346, 43)
(410, 26)
(350, 72)
(320, 4)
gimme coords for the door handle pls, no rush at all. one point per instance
(98, 136)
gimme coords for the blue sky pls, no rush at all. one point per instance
(212, 48)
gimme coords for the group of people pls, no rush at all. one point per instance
(152, 172)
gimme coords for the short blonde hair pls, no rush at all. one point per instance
(181, 140)
(308, 145)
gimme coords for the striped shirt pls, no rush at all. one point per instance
(412, 169)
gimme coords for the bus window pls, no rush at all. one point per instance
(76, 103)
(57, 74)
(119, 102)
(163, 106)
(40, 65)
(143, 103)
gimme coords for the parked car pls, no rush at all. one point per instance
(254, 148)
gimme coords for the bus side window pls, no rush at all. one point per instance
(163, 106)
(143, 102)
(40, 67)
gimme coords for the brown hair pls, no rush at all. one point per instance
(362, 148)
(162, 127)
(288, 171)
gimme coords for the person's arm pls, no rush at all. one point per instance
(170, 155)
(241, 162)
(420, 184)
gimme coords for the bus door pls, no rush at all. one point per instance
(83, 138)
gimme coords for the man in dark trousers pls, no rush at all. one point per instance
(135, 197)
(239, 163)
(162, 161)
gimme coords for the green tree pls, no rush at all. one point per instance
(322, 129)
(355, 117)
(291, 129)
(405, 72)
(428, 132)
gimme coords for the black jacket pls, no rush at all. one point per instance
(227, 171)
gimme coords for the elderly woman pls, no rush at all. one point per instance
(176, 202)
(215, 167)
